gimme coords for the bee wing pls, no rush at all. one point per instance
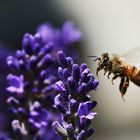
(132, 57)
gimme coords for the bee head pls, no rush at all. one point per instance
(104, 60)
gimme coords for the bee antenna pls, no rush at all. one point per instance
(92, 56)
(96, 58)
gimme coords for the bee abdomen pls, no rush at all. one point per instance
(135, 77)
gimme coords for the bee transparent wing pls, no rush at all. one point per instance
(132, 57)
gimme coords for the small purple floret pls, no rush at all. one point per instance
(84, 110)
(16, 84)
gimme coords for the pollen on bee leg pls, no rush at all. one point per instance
(126, 84)
(123, 88)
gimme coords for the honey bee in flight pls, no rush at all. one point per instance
(126, 66)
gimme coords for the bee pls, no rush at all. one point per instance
(126, 67)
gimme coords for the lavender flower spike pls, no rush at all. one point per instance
(32, 78)
(69, 34)
(31, 82)
(73, 99)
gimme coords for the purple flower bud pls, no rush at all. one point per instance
(71, 132)
(83, 88)
(45, 62)
(84, 75)
(83, 67)
(59, 86)
(88, 133)
(21, 112)
(43, 74)
(66, 73)
(46, 49)
(26, 43)
(85, 134)
(38, 116)
(16, 84)
(36, 39)
(61, 108)
(57, 100)
(70, 62)
(33, 62)
(73, 105)
(59, 105)
(84, 124)
(71, 84)
(12, 63)
(93, 84)
(23, 66)
(81, 135)
(60, 73)
(85, 108)
(20, 54)
(76, 72)
(12, 110)
(37, 48)
(62, 59)
(19, 128)
(59, 129)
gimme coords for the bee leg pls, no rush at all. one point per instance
(113, 78)
(108, 75)
(98, 58)
(105, 72)
(121, 83)
(121, 88)
(98, 69)
(124, 85)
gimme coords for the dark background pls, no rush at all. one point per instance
(18, 17)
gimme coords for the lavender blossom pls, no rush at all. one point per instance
(31, 84)
(38, 115)
(68, 35)
(73, 99)
(32, 81)
(4, 115)
(64, 38)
